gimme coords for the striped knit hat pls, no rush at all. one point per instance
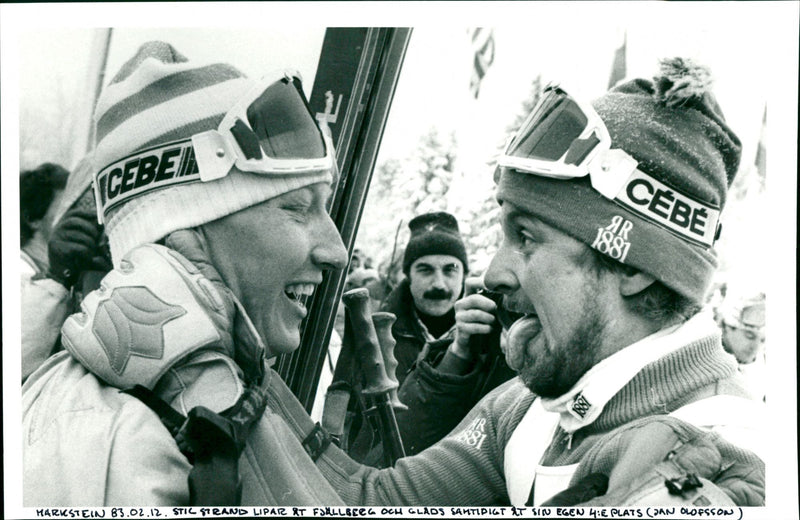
(156, 98)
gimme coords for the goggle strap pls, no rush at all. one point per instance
(668, 208)
(213, 154)
(610, 170)
(146, 170)
(247, 140)
(98, 204)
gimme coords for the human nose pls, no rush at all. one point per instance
(438, 279)
(329, 253)
(500, 276)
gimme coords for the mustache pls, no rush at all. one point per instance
(437, 294)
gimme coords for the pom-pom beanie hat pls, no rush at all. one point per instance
(159, 97)
(665, 222)
(434, 234)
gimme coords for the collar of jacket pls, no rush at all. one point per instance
(584, 402)
(672, 381)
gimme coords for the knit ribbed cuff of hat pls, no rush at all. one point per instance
(434, 243)
(575, 208)
(152, 217)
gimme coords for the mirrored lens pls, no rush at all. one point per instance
(551, 130)
(283, 123)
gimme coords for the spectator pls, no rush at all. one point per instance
(435, 264)
(44, 303)
(744, 336)
(39, 193)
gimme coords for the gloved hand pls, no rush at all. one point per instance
(75, 247)
(661, 460)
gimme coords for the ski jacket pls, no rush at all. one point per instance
(156, 321)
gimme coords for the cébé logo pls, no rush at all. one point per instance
(154, 168)
(612, 240)
(669, 208)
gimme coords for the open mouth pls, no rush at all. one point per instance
(299, 292)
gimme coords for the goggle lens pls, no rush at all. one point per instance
(283, 125)
(551, 131)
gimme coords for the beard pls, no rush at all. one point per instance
(550, 370)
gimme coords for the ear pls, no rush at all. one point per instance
(634, 282)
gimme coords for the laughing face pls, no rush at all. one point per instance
(543, 274)
(273, 254)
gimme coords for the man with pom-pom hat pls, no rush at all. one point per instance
(625, 396)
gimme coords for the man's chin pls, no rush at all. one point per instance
(278, 344)
(551, 370)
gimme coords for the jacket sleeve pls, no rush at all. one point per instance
(86, 444)
(465, 468)
(437, 402)
(44, 307)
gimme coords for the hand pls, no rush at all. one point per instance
(75, 247)
(474, 315)
(661, 460)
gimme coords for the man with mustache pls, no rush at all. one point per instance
(625, 396)
(435, 264)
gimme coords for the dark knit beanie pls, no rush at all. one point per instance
(434, 234)
(664, 222)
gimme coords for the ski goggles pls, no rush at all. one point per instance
(268, 131)
(565, 139)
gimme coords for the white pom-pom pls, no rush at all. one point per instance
(680, 80)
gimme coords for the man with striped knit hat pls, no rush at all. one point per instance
(213, 189)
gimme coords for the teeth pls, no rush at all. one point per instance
(298, 290)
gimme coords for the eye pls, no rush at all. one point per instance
(299, 211)
(524, 238)
(298, 204)
(451, 270)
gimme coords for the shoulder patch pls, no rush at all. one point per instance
(145, 317)
(131, 323)
(473, 435)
